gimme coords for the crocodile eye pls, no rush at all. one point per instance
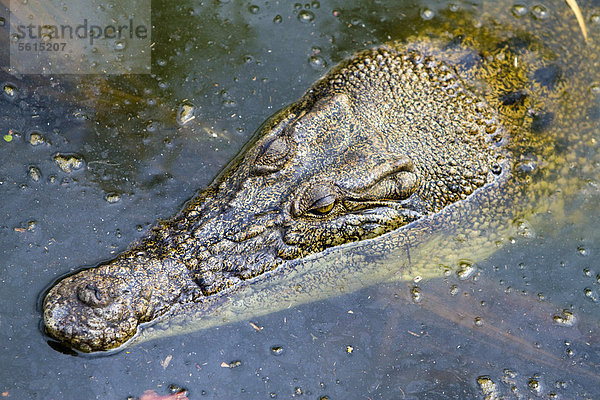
(322, 206)
(271, 156)
(317, 201)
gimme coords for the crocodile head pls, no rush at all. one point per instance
(383, 140)
(100, 308)
(380, 142)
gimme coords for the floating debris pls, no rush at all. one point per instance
(8, 137)
(577, 11)
(185, 113)
(233, 364)
(69, 162)
(165, 363)
(256, 327)
(152, 395)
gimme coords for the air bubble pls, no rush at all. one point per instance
(509, 377)
(227, 100)
(427, 14)
(591, 294)
(35, 139)
(465, 269)
(454, 7)
(306, 16)
(535, 385)
(35, 174)
(524, 229)
(152, 126)
(254, 9)
(112, 198)
(277, 19)
(277, 350)
(567, 318)
(10, 90)
(539, 12)
(541, 296)
(527, 166)
(569, 351)
(317, 62)
(519, 10)
(561, 385)
(416, 294)
(120, 45)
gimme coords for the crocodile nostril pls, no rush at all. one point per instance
(93, 296)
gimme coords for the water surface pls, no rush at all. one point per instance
(508, 322)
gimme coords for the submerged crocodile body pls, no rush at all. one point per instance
(385, 142)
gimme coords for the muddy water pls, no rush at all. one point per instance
(92, 162)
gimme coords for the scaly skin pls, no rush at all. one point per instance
(403, 138)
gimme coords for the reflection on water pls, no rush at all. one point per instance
(523, 322)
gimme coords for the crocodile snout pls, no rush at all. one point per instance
(91, 294)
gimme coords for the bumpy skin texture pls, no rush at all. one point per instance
(386, 138)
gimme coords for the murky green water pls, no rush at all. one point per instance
(237, 63)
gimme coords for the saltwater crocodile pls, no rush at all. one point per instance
(399, 141)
